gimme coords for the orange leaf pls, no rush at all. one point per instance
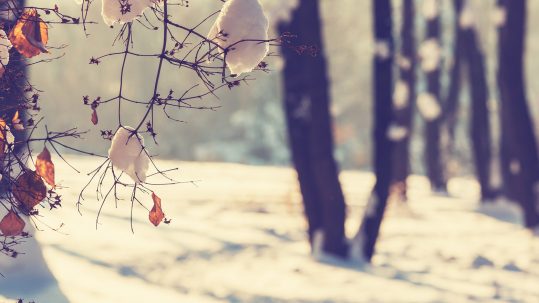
(30, 35)
(45, 167)
(94, 117)
(16, 122)
(3, 134)
(29, 189)
(156, 214)
(11, 225)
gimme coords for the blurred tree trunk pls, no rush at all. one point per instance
(468, 54)
(307, 105)
(520, 163)
(404, 114)
(435, 171)
(383, 82)
(480, 123)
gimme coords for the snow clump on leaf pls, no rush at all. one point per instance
(127, 154)
(123, 11)
(240, 28)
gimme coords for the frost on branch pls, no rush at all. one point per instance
(240, 29)
(430, 9)
(401, 95)
(123, 11)
(127, 154)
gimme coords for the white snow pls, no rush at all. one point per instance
(430, 53)
(396, 132)
(240, 28)
(123, 11)
(428, 106)
(127, 153)
(404, 62)
(430, 9)
(381, 49)
(5, 45)
(279, 10)
(401, 95)
(239, 236)
(499, 16)
(466, 18)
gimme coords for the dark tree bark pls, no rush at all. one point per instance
(404, 116)
(469, 58)
(435, 171)
(520, 163)
(307, 103)
(383, 82)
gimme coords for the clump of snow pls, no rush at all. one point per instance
(279, 10)
(382, 50)
(241, 29)
(396, 132)
(127, 154)
(5, 45)
(514, 167)
(466, 18)
(428, 106)
(401, 95)
(430, 9)
(481, 261)
(503, 210)
(123, 11)
(430, 53)
(404, 62)
(499, 16)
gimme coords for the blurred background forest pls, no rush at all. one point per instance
(249, 126)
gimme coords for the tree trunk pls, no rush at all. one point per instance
(520, 164)
(372, 219)
(404, 115)
(434, 166)
(307, 103)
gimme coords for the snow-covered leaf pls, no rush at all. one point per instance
(241, 29)
(127, 154)
(123, 11)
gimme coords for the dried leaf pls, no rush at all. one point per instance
(45, 167)
(156, 214)
(16, 122)
(94, 117)
(30, 34)
(29, 189)
(11, 225)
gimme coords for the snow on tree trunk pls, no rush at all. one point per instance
(434, 167)
(307, 102)
(403, 115)
(520, 163)
(365, 241)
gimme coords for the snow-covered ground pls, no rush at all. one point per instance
(238, 236)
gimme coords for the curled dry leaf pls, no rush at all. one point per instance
(45, 167)
(29, 189)
(95, 119)
(30, 34)
(11, 225)
(16, 122)
(156, 214)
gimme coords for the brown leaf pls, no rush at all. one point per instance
(45, 167)
(94, 117)
(3, 135)
(30, 35)
(16, 122)
(11, 225)
(156, 214)
(29, 189)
